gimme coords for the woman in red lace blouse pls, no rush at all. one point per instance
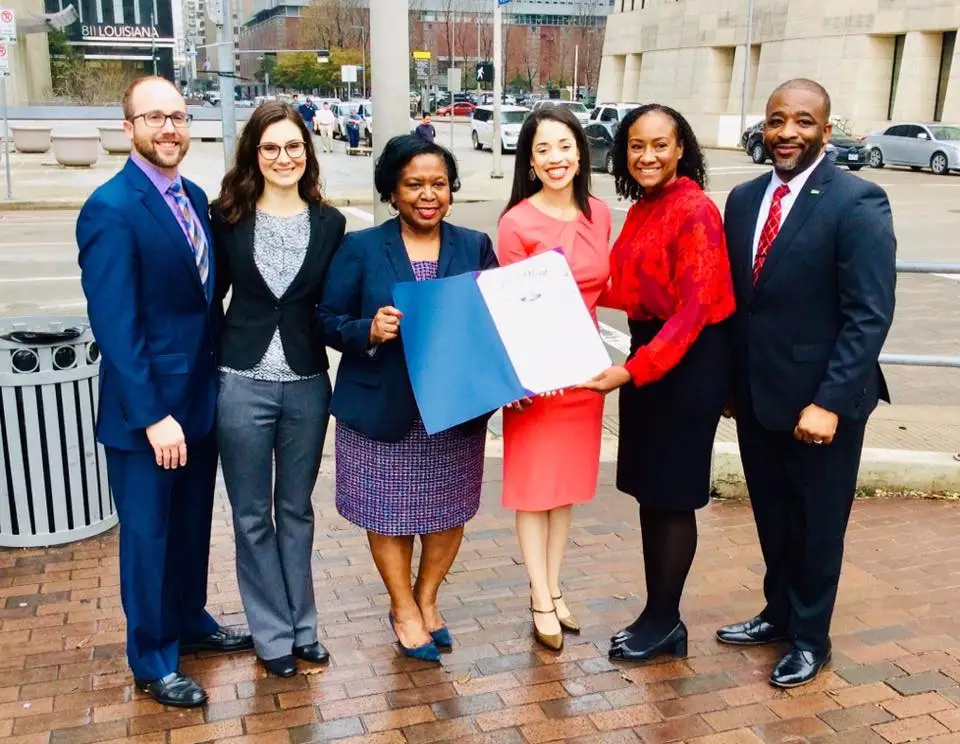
(671, 275)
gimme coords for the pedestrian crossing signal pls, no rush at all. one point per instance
(484, 72)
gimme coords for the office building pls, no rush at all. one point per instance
(880, 60)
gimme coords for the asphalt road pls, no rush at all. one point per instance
(39, 274)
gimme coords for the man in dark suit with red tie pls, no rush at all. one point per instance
(812, 250)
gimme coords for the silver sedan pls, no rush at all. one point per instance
(933, 146)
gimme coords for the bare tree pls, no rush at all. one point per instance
(335, 23)
(588, 36)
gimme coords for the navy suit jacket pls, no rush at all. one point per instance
(811, 329)
(156, 327)
(373, 394)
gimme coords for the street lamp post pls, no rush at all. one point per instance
(390, 57)
(746, 67)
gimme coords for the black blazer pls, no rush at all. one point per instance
(812, 329)
(255, 313)
(373, 394)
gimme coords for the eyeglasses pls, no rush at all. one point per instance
(295, 150)
(158, 119)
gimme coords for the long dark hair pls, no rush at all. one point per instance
(692, 164)
(398, 152)
(242, 186)
(523, 186)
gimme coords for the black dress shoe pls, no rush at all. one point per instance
(314, 652)
(624, 633)
(799, 667)
(755, 632)
(675, 642)
(223, 640)
(283, 666)
(174, 689)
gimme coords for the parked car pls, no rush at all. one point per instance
(460, 108)
(600, 136)
(511, 119)
(612, 111)
(577, 108)
(933, 146)
(844, 148)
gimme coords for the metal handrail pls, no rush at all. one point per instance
(923, 360)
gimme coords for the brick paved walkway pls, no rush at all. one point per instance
(895, 678)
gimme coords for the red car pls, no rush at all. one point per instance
(461, 108)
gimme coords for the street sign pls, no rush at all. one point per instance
(421, 55)
(422, 67)
(485, 72)
(348, 73)
(4, 59)
(8, 26)
(323, 56)
(454, 80)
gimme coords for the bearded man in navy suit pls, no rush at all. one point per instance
(813, 255)
(147, 269)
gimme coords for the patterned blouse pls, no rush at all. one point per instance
(279, 249)
(670, 263)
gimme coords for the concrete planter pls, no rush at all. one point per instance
(31, 138)
(76, 150)
(115, 141)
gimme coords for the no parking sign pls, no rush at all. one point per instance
(4, 59)
(8, 26)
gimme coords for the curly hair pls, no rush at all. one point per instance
(523, 186)
(398, 152)
(242, 186)
(692, 164)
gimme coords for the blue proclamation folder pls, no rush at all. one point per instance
(458, 366)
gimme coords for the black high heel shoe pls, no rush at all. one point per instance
(675, 642)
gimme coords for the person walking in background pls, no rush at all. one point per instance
(308, 111)
(324, 122)
(671, 275)
(426, 131)
(275, 238)
(393, 480)
(148, 272)
(552, 444)
(813, 252)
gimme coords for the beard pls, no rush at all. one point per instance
(146, 146)
(803, 159)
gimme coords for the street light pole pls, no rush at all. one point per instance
(497, 171)
(228, 103)
(746, 67)
(390, 59)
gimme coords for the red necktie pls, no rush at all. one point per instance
(770, 229)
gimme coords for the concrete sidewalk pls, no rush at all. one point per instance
(39, 182)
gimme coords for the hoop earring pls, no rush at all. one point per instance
(392, 210)
(448, 212)
(533, 174)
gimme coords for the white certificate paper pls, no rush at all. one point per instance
(550, 337)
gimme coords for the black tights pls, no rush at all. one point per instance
(669, 545)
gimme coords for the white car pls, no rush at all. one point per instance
(612, 112)
(578, 109)
(511, 119)
(343, 111)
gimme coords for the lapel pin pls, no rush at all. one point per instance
(815, 192)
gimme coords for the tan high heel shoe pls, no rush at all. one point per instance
(553, 641)
(568, 623)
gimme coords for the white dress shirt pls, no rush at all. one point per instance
(795, 185)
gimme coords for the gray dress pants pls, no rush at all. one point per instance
(260, 423)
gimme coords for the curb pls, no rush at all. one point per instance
(38, 205)
(890, 471)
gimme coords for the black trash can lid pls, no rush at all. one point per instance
(43, 337)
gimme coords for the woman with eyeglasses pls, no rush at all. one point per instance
(274, 239)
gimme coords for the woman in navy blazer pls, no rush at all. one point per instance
(393, 480)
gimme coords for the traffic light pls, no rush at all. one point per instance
(484, 72)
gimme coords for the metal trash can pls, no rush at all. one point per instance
(53, 473)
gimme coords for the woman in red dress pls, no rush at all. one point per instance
(671, 275)
(552, 446)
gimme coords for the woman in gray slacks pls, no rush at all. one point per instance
(274, 238)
